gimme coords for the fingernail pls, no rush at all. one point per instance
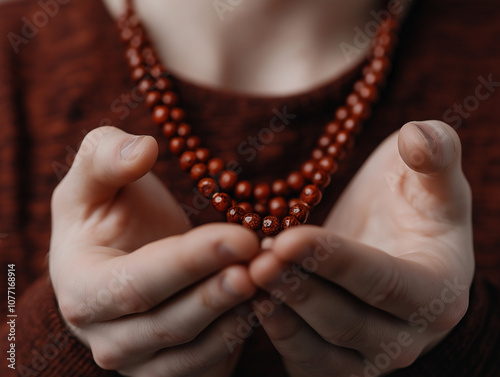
(424, 131)
(129, 146)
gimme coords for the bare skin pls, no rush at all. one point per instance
(393, 248)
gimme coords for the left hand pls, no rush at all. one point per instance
(388, 276)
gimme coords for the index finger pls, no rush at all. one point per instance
(108, 286)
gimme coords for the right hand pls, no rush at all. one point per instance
(147, 295)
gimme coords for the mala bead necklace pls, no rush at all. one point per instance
(286, 202)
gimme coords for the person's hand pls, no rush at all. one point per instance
(388, 275)
(145, 297)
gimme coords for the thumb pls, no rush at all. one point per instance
(107, 160)
(432, 150)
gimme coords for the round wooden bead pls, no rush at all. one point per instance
(279, 187)
(152, 98)
(360, 110)
(324, 141)
(308, 168)
(145, 85)
(169, 129)
(202, 154)
(289, 222)
(341, 113)
(160, 114)
(295, 181)
(317, 153)
(381, 64)
(243, 190)
(221, 202)
(278, 207)
(262, 192)
(177, 145)
(227, 179)
(335, 151)
(368, 92)
(156, 70)
(193, 142)
(352, 125)
(138, 73)
(311, 195)
(215, 166)
(332, 128)
(261, 208)
(177, 114)
(352, 99)
(328, 164)
(198, 171)
(169, 98)
(183, 130)
(247, 207)
(300, 212)
(321, 178)
(208, 187)
(235, 215)
(270, 226)
(252, 221)
(187, 160)
(162, 83)
(342, 137)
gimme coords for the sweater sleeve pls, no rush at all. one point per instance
(44, 346)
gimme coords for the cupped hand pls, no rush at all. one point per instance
(388, 276)
(147, 295)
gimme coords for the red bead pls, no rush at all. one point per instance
(317, 153)
(324, 141)
(177, 145)
(160, 114)
(252, 221)
(368, 93)
(295, 201)
(156, 70)
(328, 164)
(308, 168)
(278, 207)
(203, 154)
(361, 110)
(138, 73)
(352, 125)
(187, 160)
(193, 142)
(295, 181)
(169, 129)
(334, 150)
(221, 202)
(341, 113)
(208, 187)
(270, 226)
(215, 166)
(145, 85)
(149, 56)
(311, 195)
(169, 98)
(352, 99)
(321, 178)
(162, 83)
(183, 130)
(342, 137)
(373, 78)
(227, 179)
(235, 215)
(300, 211)
(381, 65)
(247, 207)
(279, 187)
(332, 128)
(261, 208)
(243, 190)
(262, 192)
(198, 171)
(177, 114)
(152, 98)
(137, 40)
(289, 222)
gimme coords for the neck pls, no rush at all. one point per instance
(266, 47)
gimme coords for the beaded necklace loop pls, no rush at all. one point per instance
(286, 202)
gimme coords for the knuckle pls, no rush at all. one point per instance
(387, 287)
(131, 301)
(107, 356)
(71, 312)
(164, 334)
(406, 358)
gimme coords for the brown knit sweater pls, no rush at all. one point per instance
(70, 76)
